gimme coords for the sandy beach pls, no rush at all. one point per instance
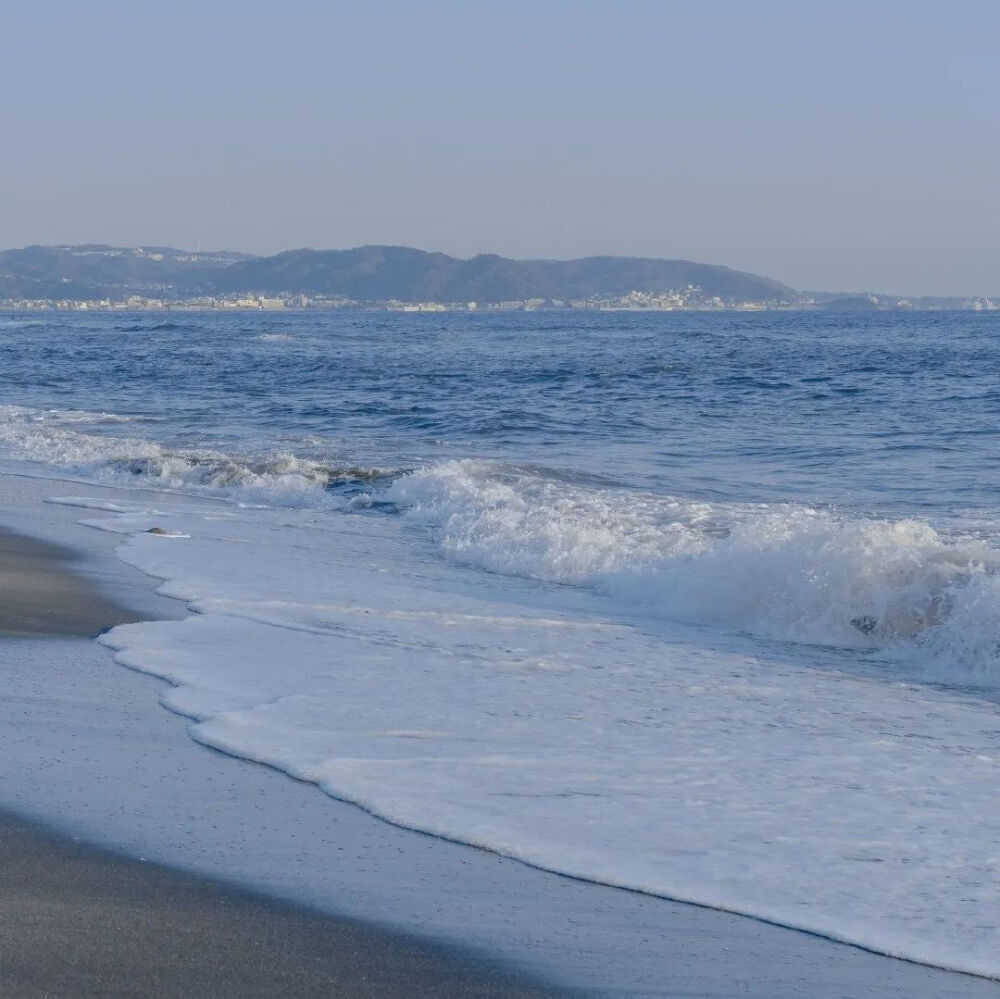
(40, 595)
(79, 921)
(332, 900)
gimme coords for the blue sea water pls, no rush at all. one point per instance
(704, 604)
(885, 412)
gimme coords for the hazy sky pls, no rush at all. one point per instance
(832, 145)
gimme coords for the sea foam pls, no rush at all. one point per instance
(778, 571)
(65, 440)
(525, 718)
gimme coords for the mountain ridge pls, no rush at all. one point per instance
(366, 273)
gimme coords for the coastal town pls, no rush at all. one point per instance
(690, 299)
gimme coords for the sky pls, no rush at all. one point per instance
(830, 145)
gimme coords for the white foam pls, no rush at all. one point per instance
(53, 437)
(523, 718)
(109, 506)
(780, 571)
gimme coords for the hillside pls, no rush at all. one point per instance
(367, 274)
(97, 271)
(378, 273)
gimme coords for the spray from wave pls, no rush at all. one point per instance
(777, 571)
(55, 438)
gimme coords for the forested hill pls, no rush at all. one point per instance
(366, 274)
(98, 271)
(379, 273)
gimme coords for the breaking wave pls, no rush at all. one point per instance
(783, 572)
(52, 437)
(776, 571)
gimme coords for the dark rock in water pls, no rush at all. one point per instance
(866, 624)
(156, 530)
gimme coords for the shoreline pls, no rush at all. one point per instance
(136, 783)
(77, 918)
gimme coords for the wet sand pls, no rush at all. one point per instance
(40, 596)
(78, 921)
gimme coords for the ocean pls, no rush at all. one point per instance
(704, 605)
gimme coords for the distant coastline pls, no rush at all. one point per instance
(95, 277)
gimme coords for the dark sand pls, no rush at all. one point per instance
(38, 596)
(78, 921)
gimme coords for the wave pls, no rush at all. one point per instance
(74, 416)
(789, 572)
(19, 324)
(783, 572)
(163, 326)
(51, 437)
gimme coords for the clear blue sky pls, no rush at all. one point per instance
(832, 145)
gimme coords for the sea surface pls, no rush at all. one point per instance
(703, 605)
